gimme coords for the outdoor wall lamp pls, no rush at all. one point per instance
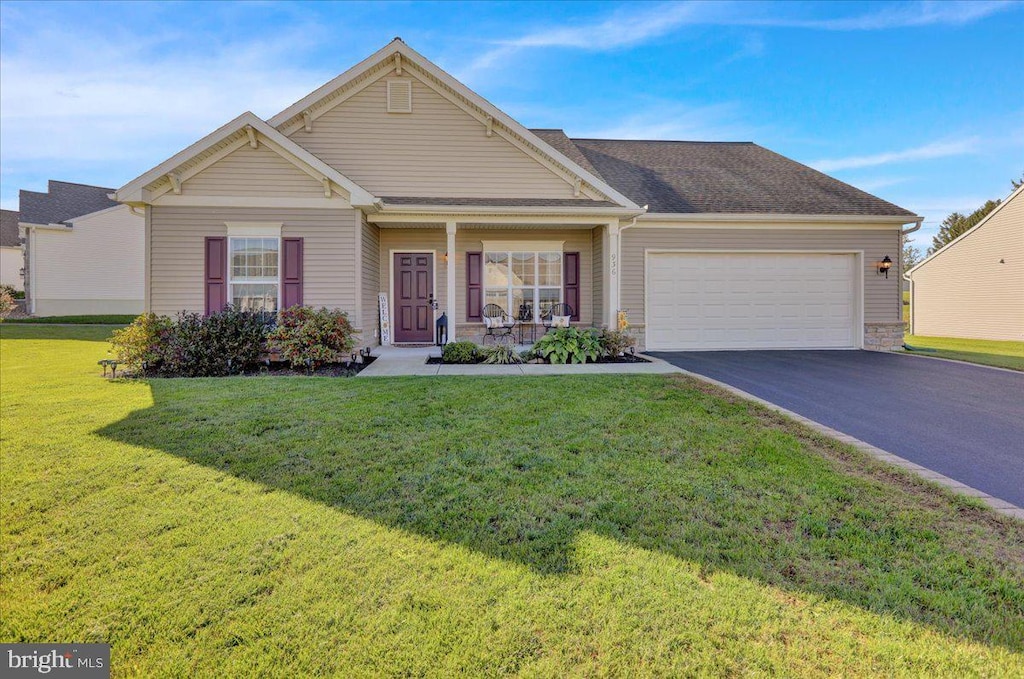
(884, 265)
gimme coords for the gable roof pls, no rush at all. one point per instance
(207, 148)
(724, 177)
(985, 220)
(9, 237)
(61, 202)
(401, 55)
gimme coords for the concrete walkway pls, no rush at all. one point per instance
(406, 361)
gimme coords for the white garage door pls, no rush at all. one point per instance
(750, 301)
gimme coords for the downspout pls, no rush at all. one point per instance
(618, 257)
(903, 274)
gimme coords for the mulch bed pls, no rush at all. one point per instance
(277, 369)
(628, 358)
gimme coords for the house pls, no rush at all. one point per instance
(973, 287)
(394, 181)
(11, 260)
(83, 251)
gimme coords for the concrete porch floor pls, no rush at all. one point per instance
(406, 361)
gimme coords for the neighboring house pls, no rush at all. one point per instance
(395, 178)
(973, 287)
(11, 258)
(83, 251)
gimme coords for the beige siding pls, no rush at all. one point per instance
(99, 258)
(597, 267)
(882, 301)
(437, 150)
(965, 291)
(11, 263)
(253, 172)
(370, 279)
(178, 233)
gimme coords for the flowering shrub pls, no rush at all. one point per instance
(137, 345)
(308, 338)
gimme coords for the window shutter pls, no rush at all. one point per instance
(474, 285)
(291, 272)
(216, 274)
(571, 282)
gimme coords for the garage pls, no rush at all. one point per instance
(752, 300)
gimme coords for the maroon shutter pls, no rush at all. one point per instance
(291, 272)
(474, 285)
(571, 282)
(216, 275)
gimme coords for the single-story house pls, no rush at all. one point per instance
(396, 193)
(83, 251)
(973, 287)
(11, 260)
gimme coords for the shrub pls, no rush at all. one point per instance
(569, 345)
(502, 354)
(7, 303)
(228, 342)
(308, 338)
(137, 345)
(615, 342)
(15, 294)
(460, 352)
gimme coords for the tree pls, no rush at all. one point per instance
(1017, 183)
(911, 257)
(956, 224)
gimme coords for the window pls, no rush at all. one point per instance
(514, 280)
(253, 271)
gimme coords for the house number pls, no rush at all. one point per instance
(615, 265)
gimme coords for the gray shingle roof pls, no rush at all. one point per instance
(62, 201)
(498, 202)
(9, 229)
(719, 177)
(558, 140)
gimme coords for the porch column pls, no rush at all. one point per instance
(450, 261)
(612, 304)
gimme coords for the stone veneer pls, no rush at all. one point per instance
(883, 336)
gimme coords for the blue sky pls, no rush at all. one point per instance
(920, 103)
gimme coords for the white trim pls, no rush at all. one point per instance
(510, 218)
(407, 82)
(760, 218)
(523, 245)
(391, 284)
(440, 210)
(858, 282)
(186, 200)
(254, 229)
(413, 60)
(451, 229)
(995, 210)
(254, 234)
(510, 288)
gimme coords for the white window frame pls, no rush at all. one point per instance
(262, 231)
(535, 288)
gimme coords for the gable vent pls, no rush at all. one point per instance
(399, 95)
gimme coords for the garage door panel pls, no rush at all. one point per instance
(750, 301)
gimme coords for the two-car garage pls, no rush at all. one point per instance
(700, 300)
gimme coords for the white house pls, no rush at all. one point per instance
(11, 260)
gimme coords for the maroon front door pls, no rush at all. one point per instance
(414, 291)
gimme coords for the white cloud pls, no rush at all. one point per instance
(671, 120)
(941, 149)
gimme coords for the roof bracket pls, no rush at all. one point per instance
(327, 186)
(490, 126)
(249, 130)
(175, 180)
(577, 185)
(307, 121)
(398, 63)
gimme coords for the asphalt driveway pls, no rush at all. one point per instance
(961, 420)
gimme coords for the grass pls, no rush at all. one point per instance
(986, 352)
(103, 319)
(543, 526)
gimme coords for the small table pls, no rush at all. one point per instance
(525, 318)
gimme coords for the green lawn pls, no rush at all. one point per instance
(106, 319)
(542, 526)
(987, 352)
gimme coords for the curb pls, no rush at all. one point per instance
(905, 352)
(996, 504)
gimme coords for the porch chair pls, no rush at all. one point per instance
(556, 316)
(497, 323)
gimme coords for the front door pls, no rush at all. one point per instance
(414, 292)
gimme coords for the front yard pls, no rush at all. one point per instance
(547, 526)
(986, 352)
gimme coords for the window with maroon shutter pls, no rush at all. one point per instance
(474, 285)
(571, 282)
(216, 280)
(291, 272)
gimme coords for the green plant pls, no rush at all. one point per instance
(137, 345)
(615, 342)
(228, 342)
(569, 345)
(308, 338)
(502, 354)
(15, 294)
(460, 352)
(7, 303)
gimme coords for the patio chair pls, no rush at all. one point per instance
(497, 323)
(556, 316)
